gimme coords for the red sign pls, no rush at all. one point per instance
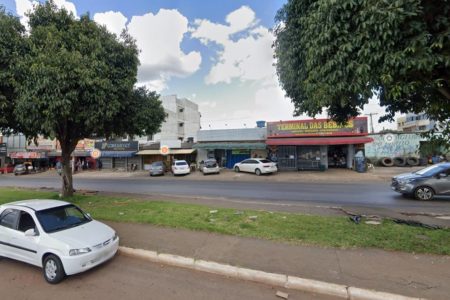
(29, 155)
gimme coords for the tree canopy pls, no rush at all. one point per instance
(338, 54)
(12, 47)
(77, 81)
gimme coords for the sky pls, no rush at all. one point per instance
(215, 53)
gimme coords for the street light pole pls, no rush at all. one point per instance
(371, 121)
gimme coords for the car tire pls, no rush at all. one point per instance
(258, 172)
(236, 169)
(424, 193)
(53, 269)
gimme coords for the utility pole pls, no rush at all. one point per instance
(371, 121)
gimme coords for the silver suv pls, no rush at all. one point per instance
(424, 184)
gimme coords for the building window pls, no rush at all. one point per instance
(422, 128)
(150, 137)
(180, 109)
(180, 124)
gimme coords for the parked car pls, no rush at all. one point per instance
(157, 168)
(256, 165)
(209, 166)
(9, 168)
(56, 236)
(21, 169)
(424, 184)
(180, 167)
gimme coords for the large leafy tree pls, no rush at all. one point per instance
(77, 80)
(12, 48)
(338, 54)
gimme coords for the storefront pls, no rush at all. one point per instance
(119, 155)
(229, 146)
(316, 144)
(153, 153)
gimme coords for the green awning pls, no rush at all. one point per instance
(229, 146)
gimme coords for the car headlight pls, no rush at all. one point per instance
(115, 236)
(74, 252)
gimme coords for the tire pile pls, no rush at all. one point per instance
(399, 161)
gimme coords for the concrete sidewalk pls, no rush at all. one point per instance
(414, 275)
(379, 174)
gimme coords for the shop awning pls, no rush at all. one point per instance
(227, 146)
(320, 141)
(171, 151)
(118, 154)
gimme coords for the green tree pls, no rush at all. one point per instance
(78, 81)
(338, 54)
(12, 47)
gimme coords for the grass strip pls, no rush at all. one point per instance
(286, 227)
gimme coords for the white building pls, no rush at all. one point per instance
(414, 123)
(181, 124)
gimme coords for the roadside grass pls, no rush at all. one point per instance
(286, 227)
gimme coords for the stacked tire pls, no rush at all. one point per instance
(399, 161)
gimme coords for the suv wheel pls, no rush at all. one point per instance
(53, 269)
(424, 193)
(258, 172)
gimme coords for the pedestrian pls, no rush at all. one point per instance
(59, 167)
(100, 165)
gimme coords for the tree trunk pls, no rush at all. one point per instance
(67, 182)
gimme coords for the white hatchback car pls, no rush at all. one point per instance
(256, 165)
(56, 236)
(180, 167)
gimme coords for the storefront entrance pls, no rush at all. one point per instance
(337, 156)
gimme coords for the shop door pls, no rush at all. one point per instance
(234, 157)
(287, 157)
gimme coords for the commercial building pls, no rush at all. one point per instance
(316, 143)
(229, 146)
(181, 124)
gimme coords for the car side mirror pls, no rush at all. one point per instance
(89, 215)
(30, 232)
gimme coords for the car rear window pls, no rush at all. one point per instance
(157, 164)
(212, 164)
(181, 163)
(265, 161)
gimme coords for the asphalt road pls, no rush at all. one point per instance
(128, 278)
(375, 195)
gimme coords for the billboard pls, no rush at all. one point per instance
(117, 146)
(317, 127)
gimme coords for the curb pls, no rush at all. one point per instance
(281, 280)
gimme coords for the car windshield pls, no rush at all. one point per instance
(181, 163)
(265, 161)
(61, 218)
(157, 164)
(430, 171)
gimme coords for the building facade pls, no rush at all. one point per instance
(415, 123)
(229, 146)
(316, 144)
(181, 124)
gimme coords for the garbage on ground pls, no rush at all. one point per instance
(213, 211)
(373, 222)
(282, 294)
(253, 218)
(355, 219)
(238, 212)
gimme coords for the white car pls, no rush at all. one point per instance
(180, 167)
(256, 165)
(56, 236)
(209, 166)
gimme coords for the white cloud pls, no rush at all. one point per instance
(246, 52)
(159, 37)
(26, 6)
(67, 5)
(114, 21)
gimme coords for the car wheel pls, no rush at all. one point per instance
(424, 193)
(236, 169)
(258, 172)
(53, 269)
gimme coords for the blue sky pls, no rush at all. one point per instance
(216, 53)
